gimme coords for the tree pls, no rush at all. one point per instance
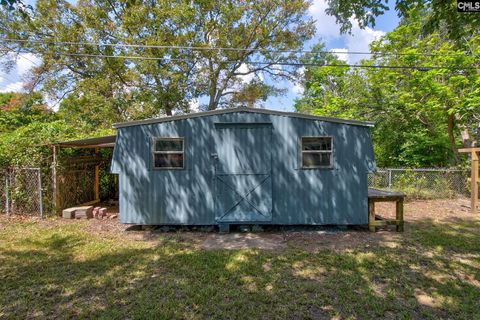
(17, 110)
(419, 112)
(261, 26)
(330, 89)
(440, 14)
(253, 94)
(161, 79)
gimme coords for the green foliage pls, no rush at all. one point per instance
(441, 14)
(18, 110)
(253, 93)
(419, 114)
(417, 186)
(27, 127)
(134, 88)
(28, 145)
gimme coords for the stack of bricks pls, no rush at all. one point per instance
(84, 212)
(99, 213)
(78, 213)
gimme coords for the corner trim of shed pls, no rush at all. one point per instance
(242, 109)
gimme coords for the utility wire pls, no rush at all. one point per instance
(18, 51)
(193, 48)
(273, 63)
(279, 63)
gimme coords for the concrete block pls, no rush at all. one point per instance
(224, 228)
(257, 228)
(84, 212)
(102, 212)
(68, 213)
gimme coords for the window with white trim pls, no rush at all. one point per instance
(168, 153)
(316, 152)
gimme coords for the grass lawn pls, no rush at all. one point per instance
(69, 269)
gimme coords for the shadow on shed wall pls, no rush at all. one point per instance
(314, 196)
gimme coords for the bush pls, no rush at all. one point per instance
(422, 185)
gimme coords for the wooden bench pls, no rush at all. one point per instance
(375, 195)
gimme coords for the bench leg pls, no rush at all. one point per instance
(399, 207)
(371, 215)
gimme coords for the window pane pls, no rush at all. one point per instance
(317, 144)
(169, 145)
(170, 160)
(311, 160)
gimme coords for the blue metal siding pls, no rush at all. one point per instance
(299, 196)
(243, 173)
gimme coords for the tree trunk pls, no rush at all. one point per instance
(451, 137)
(212, 90)
(464, 132)
(476, 141)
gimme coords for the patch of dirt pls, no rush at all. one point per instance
(343, 240)
(436, 210)
(307, 239)
(265, 241)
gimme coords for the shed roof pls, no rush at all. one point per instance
(242, 109)
(97, 142)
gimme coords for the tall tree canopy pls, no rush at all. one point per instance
(153, 79)
(441, 14)
(422, 114)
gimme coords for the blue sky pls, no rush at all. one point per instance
(327, 31)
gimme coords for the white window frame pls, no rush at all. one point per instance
(330, 166)
(154, 152)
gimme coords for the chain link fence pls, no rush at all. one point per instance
(422, 183)
(21, 191)
(4, 205)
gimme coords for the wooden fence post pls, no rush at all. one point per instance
(96, 183)
(56, 195)
(474, 184)
(474, 176)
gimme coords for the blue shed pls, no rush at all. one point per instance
(243, 166)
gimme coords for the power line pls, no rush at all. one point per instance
(196, 48)
(273, 63)
(9, 82)
(7, 79)
(21, 56)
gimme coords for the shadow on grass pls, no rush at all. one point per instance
(76, 275)
(454, 234)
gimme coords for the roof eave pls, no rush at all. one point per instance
(107, 141)
(224, 111)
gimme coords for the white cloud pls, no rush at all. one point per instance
(194, 105)
(248, 77)
(326, 25)
(25, 62)
(13, 80)
(328, 30)
(340, 53)
(360, 40)
(298, 89)
(9, 87)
